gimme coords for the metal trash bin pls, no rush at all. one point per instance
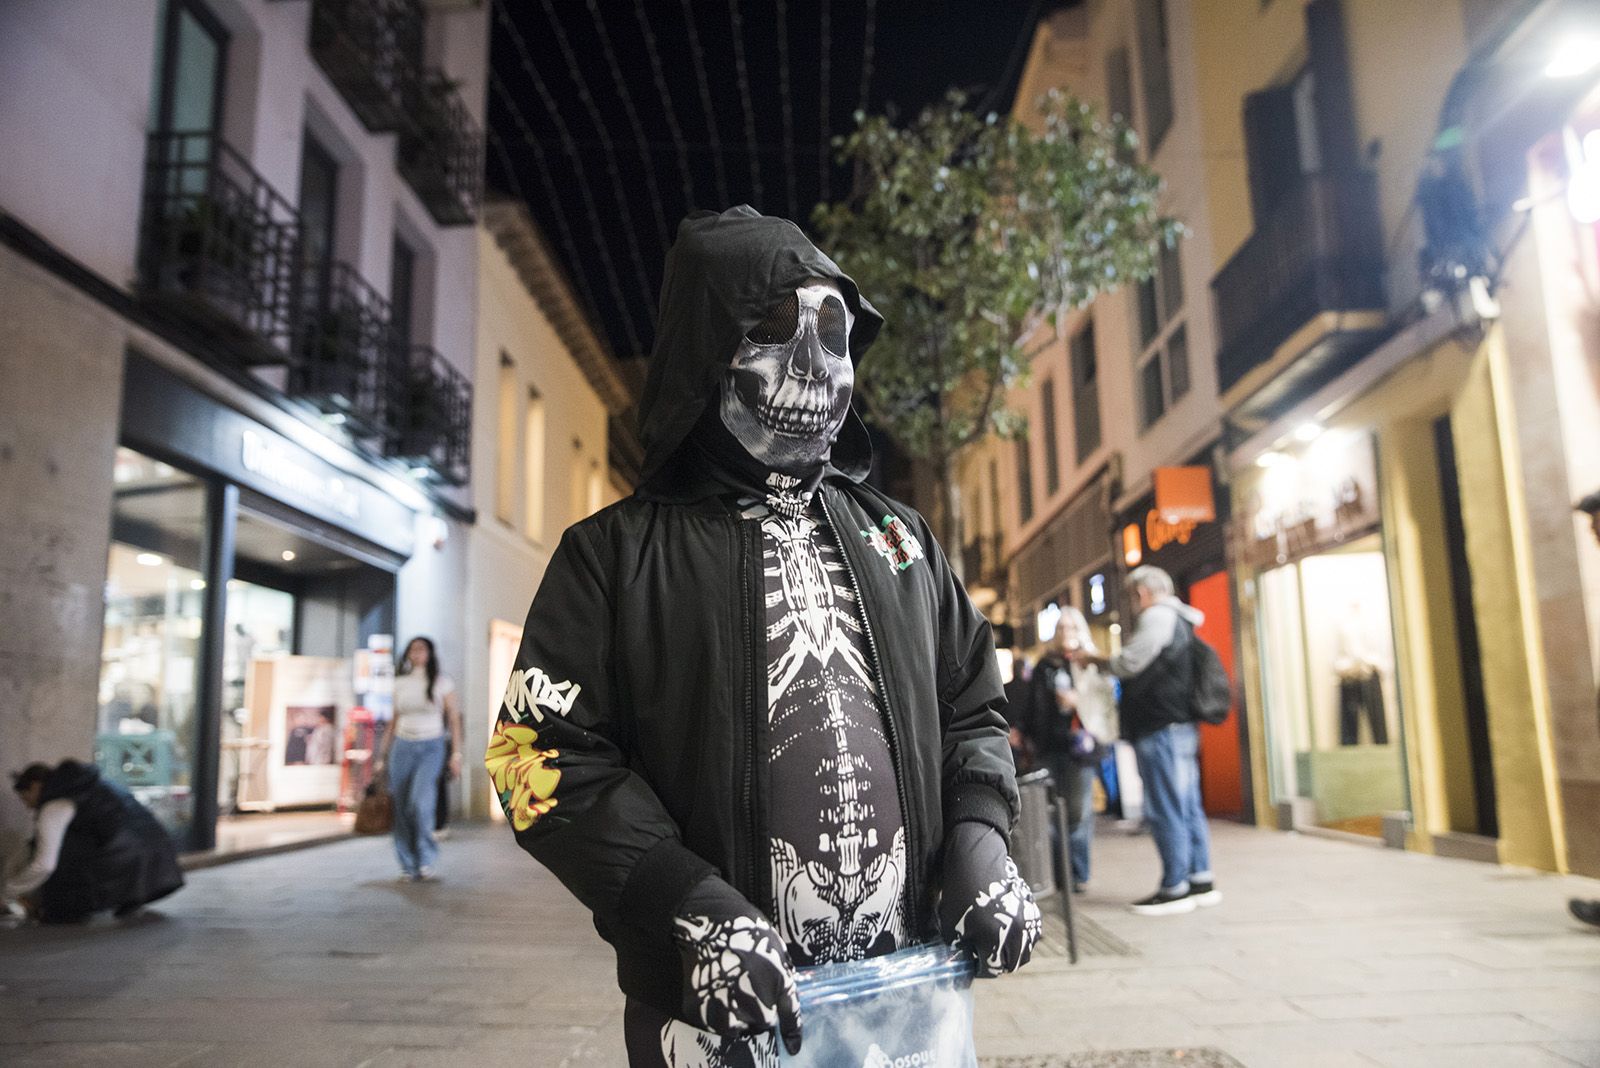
(1030, 840)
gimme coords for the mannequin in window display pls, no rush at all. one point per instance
(755, 723)
(1360, 673)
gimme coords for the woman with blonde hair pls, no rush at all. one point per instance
(1072, 721)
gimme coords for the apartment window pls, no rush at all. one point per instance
(1155, 72)
(319, 193)
(533, 466)
(505, 487)
(1085, 394)
(403, 290)
(578, 483)
(596, 487)
(1052, 461)
(1163, 367)
(1119, 86)
(1024, 480)
(996, 524)
(1282, 140)
(188, 97)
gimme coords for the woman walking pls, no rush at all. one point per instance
(413, 752)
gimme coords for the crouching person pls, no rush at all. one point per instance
(95, 848)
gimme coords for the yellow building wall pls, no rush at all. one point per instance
(1241, 47)
(1519, 714)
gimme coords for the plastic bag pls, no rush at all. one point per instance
(911, 1009)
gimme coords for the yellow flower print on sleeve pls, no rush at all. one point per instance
(525, 785)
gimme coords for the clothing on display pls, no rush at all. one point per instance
(1362, 696)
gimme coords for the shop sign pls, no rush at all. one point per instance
(1183, 495)
(1306, 503)
(1132, 546)
(274, 462)
(1160, 530)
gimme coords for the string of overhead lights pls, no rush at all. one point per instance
(867, 48)
(742, 75)
(660, 75)
(824, 168)
(619, 191)
(569, 146)
(782, 12)
(548, 181)
(633, 120)
(705, 102)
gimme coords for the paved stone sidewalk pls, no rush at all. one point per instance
(1323, 954)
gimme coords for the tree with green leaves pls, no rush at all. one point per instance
(975, 235)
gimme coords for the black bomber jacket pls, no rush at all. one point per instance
(627, 753)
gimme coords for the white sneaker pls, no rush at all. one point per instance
(1164, 903)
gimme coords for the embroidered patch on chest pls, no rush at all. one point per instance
(895, 543)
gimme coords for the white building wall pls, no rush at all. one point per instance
(507, 560)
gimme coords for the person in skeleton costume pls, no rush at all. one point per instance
(755, 723)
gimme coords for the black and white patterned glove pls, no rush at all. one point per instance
(986, 906)
(737, 976)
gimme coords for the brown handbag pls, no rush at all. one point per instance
(375, 814)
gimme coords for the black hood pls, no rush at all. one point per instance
(724, 273)
(69, 779)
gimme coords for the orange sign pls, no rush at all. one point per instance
(1159, 532)
(1183, 495)
(1132, 548)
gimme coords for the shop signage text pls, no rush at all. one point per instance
(278, 465)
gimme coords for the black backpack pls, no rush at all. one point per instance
(1210, 690)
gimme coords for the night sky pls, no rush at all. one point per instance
(611, 142)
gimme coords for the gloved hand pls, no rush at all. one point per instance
(737, 976)
(986, 906)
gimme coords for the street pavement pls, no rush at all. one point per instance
(1323, 954)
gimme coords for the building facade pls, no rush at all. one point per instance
(1406, 368)
(1124, 390)
(553, 399)
(238, 286)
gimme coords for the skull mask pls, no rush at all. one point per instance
(787, 390)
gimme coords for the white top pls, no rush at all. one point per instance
(416, 718)
(49, 829)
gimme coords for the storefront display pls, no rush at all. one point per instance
(245, 572)
(1324, 635)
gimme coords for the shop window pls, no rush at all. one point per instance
(1328, 682)
(1163, 368)
(151, 645)
(1155, 72)
(1085, 393)
(507, 417)
(1052, 458)
(533, 466)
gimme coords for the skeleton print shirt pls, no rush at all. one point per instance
(837, 851)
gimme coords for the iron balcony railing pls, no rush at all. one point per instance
(346, 349)
(431, 416)
(220, 244)
(1320, 249)
(369, 49)
(440, 150)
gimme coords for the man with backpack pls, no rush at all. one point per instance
(1169, 681)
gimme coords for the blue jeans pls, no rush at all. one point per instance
(1075, 784)
(1169, 764)
(414, 770)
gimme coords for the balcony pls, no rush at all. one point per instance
(440, 152)
(367, 49)
(430, 416)
(219, 246)
(1319, 250)
(346, 349)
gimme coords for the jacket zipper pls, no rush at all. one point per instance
(908, 898)
(746, 528)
